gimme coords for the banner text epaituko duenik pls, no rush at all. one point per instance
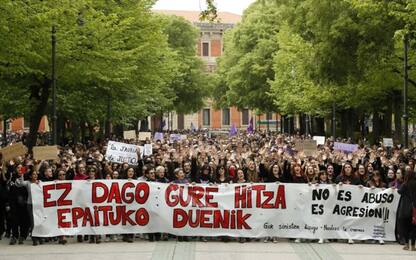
(237, 210)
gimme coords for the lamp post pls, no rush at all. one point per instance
(5, 122)
(334, 119)
(54, 117)
(405, 112)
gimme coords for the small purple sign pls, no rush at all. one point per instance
(158, 136)
(349, 148)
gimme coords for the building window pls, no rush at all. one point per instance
(205, 49)
(245, 116)
(226, 116)
(269, 116)
(206, 116)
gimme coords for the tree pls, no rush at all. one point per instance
(247, 63)
(190, 81)
(109, 49)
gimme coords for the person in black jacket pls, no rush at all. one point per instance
(20, 218)
(407, 203)
(3, 200)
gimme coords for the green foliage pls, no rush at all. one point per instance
(190, 82)
(210, 14)
(247, 64)
(106, 50)
(301, 55)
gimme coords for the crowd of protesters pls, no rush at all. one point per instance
(201, 158)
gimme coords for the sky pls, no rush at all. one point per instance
(233, 6)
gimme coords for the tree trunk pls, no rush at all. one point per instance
(397, 116)
(75, 132)
(83, 139)
(387, 119)
(302, 126)
(376, 127)
(91, 132)
(344, 123)
(39, 100)
(318, 126)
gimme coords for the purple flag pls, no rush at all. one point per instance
(233, 130)
(250, 128)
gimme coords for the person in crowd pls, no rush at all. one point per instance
(130, 176)
(375, 181)
(398, 180)
(274, 175)
(20, 182)
(80, 173)
(18, 197)
(61, 176)
(204, 176)
(180, 178)
(160, 175)
(3, 199)
(347, 177)
(92, 175)
(240, 177)
(311, 176)
(221, 175)
(361, 175)
(405, 211)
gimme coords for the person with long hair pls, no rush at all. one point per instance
(92, 175)
(20, 182)
(361, 175)
(297, 175)
(130, 175)
(406, 205)
(347, 177)
(240, 177)
(221, 175)
(274, 174)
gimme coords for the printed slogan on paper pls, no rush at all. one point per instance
(237, 210)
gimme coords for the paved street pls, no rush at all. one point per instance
(200, 250)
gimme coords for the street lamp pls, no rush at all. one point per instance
(334, 118)
(405, 112)
(54, 117)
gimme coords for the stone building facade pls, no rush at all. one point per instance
(210, 47)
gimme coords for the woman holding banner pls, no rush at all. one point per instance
(18, 196)
(347, 177)
(20, 182)
(130, 175)
(274, 174)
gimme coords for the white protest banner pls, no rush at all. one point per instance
(174, 137)
(349, 148)
(143, 136)
(158, 136)
(388, 142)
(12, 151)
(131, 134)
(45, 152)
(121, 153)
(141, 148)
(148, 149)
(237, 210)
(320, 140)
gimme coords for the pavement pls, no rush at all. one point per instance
(173, 250)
